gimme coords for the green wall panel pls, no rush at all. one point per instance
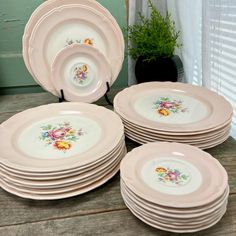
(14, 14)
(14, 73)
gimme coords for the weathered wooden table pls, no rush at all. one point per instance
(101, 211)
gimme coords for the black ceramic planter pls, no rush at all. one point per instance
(161, 69)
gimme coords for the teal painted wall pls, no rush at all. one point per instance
(14, 14)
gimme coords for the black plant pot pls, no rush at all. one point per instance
(161, 69)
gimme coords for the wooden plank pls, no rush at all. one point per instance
(119, 223)
(20, 102)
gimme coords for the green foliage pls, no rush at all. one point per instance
(153, 37)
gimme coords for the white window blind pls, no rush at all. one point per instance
(219, 50)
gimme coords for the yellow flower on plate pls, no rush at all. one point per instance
(88, 41)
(161, 169)
(163, 112)
(62, 145)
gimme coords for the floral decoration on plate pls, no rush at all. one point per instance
(60, 136)
(81, 74)
(171, 176)
(85, 41)
(165, 106)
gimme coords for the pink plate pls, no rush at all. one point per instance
(174, 175)
(67, 180)
(81, 71)
(175, 229)
(66, 25)
(176, 213)
(67, 186)
(61, 136)
(49, 5)
(205, 144)
(75, 192)
(173, 107)
(62, 174)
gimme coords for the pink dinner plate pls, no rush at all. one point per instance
(69, 186)
(205, 144)
(61, 137)
(62, 174)
(190, 223)
(63, 181)
(174, 175)
(175, 229)
(180, 135)
(173, 107)
(194, 138)
(178, 213)
(75, 192)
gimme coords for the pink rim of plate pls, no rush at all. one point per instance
(49, 5)
(62, 174)
(166, 227)
(124, 101)
(196, 138)
(41, 32)
(76, 192)
(77, 51)
(190, 222)
(10, 130)
(200, 142)
(204, 145)
(66, 187)
(214, 176)
(176, 134)
(178, 213)
(67, 180)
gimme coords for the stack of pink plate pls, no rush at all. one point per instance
(74, 46)
(174, 187)
(60, 150)
(174, 112)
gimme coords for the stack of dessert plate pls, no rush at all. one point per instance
(174, 187)
(60, 150)
(74, 46)
(174, 112)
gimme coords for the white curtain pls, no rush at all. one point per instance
(208, 35)
(219, 50)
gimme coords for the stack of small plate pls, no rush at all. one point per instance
(74, 46)
(174, 187)
(174, 112)
(60, 150)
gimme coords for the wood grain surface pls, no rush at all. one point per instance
(101, 211)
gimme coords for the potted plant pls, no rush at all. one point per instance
(152, 44)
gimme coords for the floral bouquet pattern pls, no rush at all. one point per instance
(171, 176)
(85, 41)
(81, 73)
(165, 106)
(60, 136)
